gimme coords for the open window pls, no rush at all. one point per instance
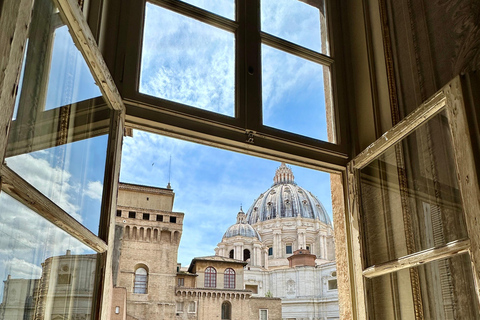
(414, 200)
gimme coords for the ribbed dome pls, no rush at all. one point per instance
(286, 199)
(241, 228)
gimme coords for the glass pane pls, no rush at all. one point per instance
(60, 151)
(187, 61)
(70, 79)
(55, 73)
(46, 273)
(71, 175)
(225, 8)
(410, 197)
(443, 289)
(296, 21)
(296, 95)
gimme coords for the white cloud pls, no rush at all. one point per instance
(94, 190)
(53, 182)
(209, 184)
(26, 240)
(21, 269)
(187, 61)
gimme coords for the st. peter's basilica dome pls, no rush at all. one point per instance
(285, 199)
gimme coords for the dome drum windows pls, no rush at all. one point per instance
(246, 254)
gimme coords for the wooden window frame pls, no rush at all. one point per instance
(245, 132)
(15, 186)
(452, 100)
(213, 130)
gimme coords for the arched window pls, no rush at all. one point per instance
(141, 279)
(231, 254)
(246, 254)
(229, 279)
(210, 277)
(226, 310)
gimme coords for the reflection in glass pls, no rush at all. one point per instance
(293, 94)
(46, 274)
(225, 8)
(410, 196)
(296, 21)
(70, 79)
(55, 73)
(58, 139)
(71, 175)
(187, 61)
(442, 289)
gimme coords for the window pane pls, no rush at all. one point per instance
(225, 8)
(409, 195)
(141, 281)
(70, 79)
(71, 175)
(263, 315)
(295, 95)
(296, 21)
(187, 61)
(42, 267)
(442, 289)
(58, 139)
(54, 72)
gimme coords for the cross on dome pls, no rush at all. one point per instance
(283, 175)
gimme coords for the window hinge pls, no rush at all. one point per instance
(250, 136)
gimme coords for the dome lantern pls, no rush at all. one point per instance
(241, 216)
(283, 175)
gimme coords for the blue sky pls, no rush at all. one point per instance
(71, 175)
(192, 63)
(210, 184)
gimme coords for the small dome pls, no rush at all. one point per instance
(241, 228)
(285, 199)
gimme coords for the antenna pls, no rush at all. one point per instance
(169, 172)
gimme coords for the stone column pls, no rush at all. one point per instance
(277, 244)
(326, 247)
(238, 251)
(256, 258)
(322, 247)
(265, 255)
(301, 239)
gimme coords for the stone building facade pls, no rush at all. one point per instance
(149, 283)
(286, 238)
(64, 291)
